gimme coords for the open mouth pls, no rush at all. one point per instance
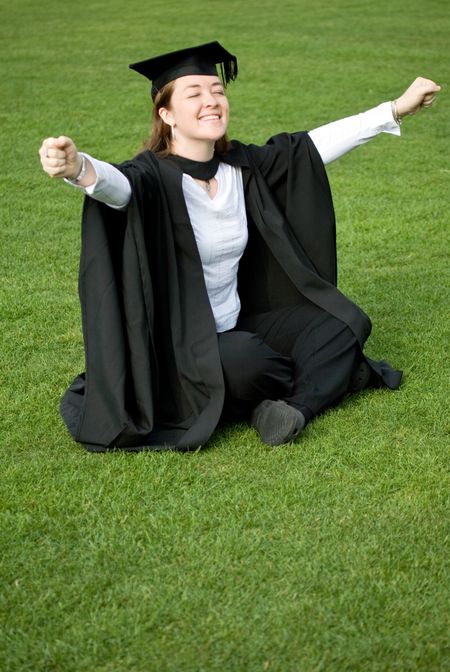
(210, 117)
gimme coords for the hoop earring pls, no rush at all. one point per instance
(172, 134)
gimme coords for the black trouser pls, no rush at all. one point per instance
(299, 354)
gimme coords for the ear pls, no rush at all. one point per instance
(166, 116)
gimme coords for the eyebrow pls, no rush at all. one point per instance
(198, 86)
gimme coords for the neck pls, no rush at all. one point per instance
(201, 151)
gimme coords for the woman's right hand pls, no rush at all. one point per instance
(60, 157)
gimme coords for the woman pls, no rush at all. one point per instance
(208, 271)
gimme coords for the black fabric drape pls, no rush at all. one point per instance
(153, 373)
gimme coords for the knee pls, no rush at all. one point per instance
(243, 357)
(250, 365)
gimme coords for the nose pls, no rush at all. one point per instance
(209, 100)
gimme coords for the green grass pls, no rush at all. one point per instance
(329, 555)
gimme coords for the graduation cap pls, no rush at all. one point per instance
(201, 60)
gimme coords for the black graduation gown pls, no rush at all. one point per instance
(153, 373)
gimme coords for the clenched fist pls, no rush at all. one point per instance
(421, 93)
(60, 158)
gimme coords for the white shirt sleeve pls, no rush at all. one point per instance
(110, 187)
(339, 137)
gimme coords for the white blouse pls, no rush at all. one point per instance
(220, 229)
(219, 223)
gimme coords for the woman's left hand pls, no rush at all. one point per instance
(421, 93)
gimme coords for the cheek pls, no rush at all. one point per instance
(181, 110)
(189, 111)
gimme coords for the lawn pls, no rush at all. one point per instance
(326, 555)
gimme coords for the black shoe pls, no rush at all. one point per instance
(360, 378)
(276, 422)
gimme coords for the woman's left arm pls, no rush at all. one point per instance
(339, 137)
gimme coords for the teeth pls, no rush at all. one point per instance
(210, 116)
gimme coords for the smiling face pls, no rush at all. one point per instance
(198, 111)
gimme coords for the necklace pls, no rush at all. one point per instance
(206, 185)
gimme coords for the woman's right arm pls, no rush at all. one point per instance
(60, 158)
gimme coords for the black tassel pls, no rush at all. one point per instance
(229, 71)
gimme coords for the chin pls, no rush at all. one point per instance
(214, 134)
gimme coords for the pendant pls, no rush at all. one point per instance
(207, 186)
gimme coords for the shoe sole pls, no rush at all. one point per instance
(277, 423)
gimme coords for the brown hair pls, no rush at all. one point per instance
(160, 139)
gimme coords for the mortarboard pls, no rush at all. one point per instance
(201, 60)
